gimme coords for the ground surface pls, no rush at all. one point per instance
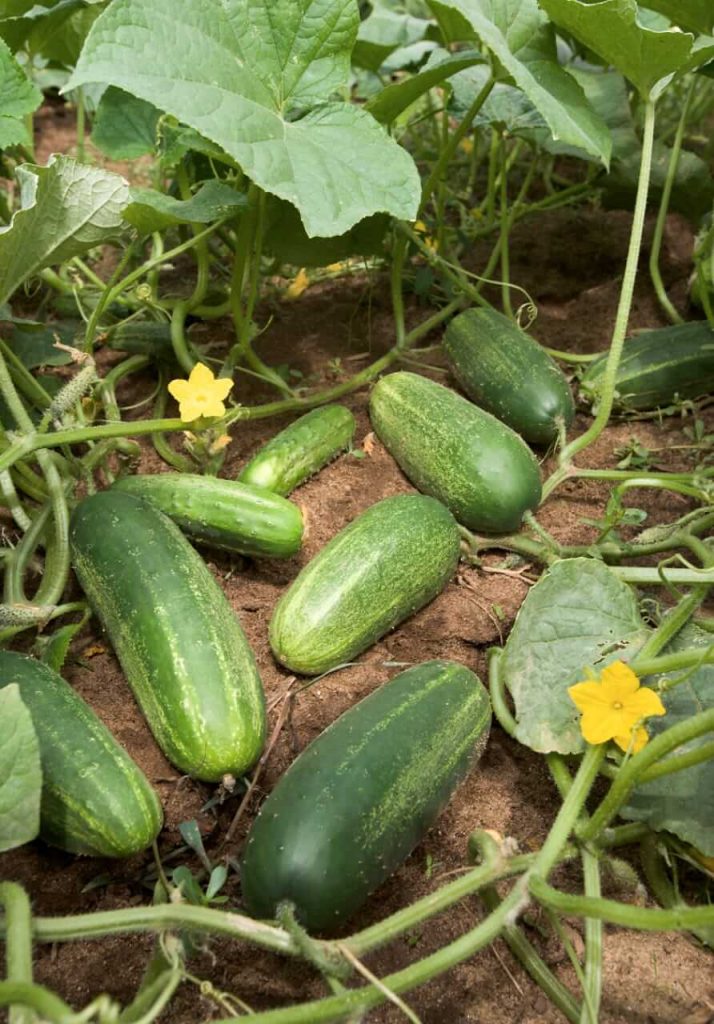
(571, 264)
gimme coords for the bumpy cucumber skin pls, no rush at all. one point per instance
(357, 801)
(182, 648)
(508, 374)
(223, 513)
(386, 564)
(657, 365)
(95, 800)
(476, 465)
(301, 449)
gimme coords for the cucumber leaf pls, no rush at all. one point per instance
(20, 772)
(124, 127)
(682, 803)
(34, 343)
(259, 77)
(388, 104)
(383, 32)
(66, 209)
(285, 237)
(19, 97)
(611, 28)
(578, 615)
(520, 37)
(150, 210)
(691, 15)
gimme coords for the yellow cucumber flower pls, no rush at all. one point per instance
(298, 285)
(201, 395)
(613, 707)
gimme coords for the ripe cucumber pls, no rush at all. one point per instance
(389, 562)
(223, 513)
(301, 449)
(507, 373)
(356, 802)
(480, 468)
(95, 800)
(181, 646)
(657, 366)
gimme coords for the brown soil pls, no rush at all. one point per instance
(571, 264)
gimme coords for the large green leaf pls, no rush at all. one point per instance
(682, 803)
(150, 210)
(66, 208)
(518, 34)
(285, 238)
(611, 29)
(20, 772)
(258, 78)
(579, 615)
(124, 127)
(382, 33)
(19, 97)
(692, 15)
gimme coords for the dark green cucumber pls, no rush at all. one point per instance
(658, 366)
(301, 449)
(95, 800)
(508, 374)
(356, 802)
(144, 338)
(223, 513)
(480, 468)
(181, 646)
(389, 562)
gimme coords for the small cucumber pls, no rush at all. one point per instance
(507, 373)
(182, 649)
(223, 513)
(95, 800)
(658, 366)
(480, 468)
(301, 449)
(356, 802)
(389, 562)
(145, 338)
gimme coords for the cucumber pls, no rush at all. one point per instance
(356, 802)
(389, 562)
(657, 366)
(507, 373)
(182, 649)
(480, 468)
(301, 449)
(223, 513)
(95, 800)
(144, 338)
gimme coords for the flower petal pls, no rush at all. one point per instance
(633, 742)
(179, 389)
(619, 680)
(220, 387)
(201, 376)
(645, 703)
(212, 407)
(588, 695)
(597, 726)
(190, 410)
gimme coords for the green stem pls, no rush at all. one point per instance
(49, 1006)
(81, 111)
(678, 763)
(504, 233)
(593, 940)
(673, 662)
(646, 577)
(497, 688)
(624, 914)
(18, 944)
(629, 774)
(623, 309)
(655, 274)
(450, 148)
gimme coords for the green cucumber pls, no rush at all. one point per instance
(145, 338)
(658, 366)
(480, 468)
(389, 562)
(95, 800)
(356, 802)
(223, 513)
(182, 649)
(301, 449)
(507, 373)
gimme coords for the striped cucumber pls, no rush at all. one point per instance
(658, 366)
(480, 468)
(301, 449)
(181, 646)
(356, 802)
(223, 513)
(389, 562)
(507, 373)
(95, 800)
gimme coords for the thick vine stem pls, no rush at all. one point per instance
(35, 997)
(18, 944)
(623, 309)
(624, 914)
